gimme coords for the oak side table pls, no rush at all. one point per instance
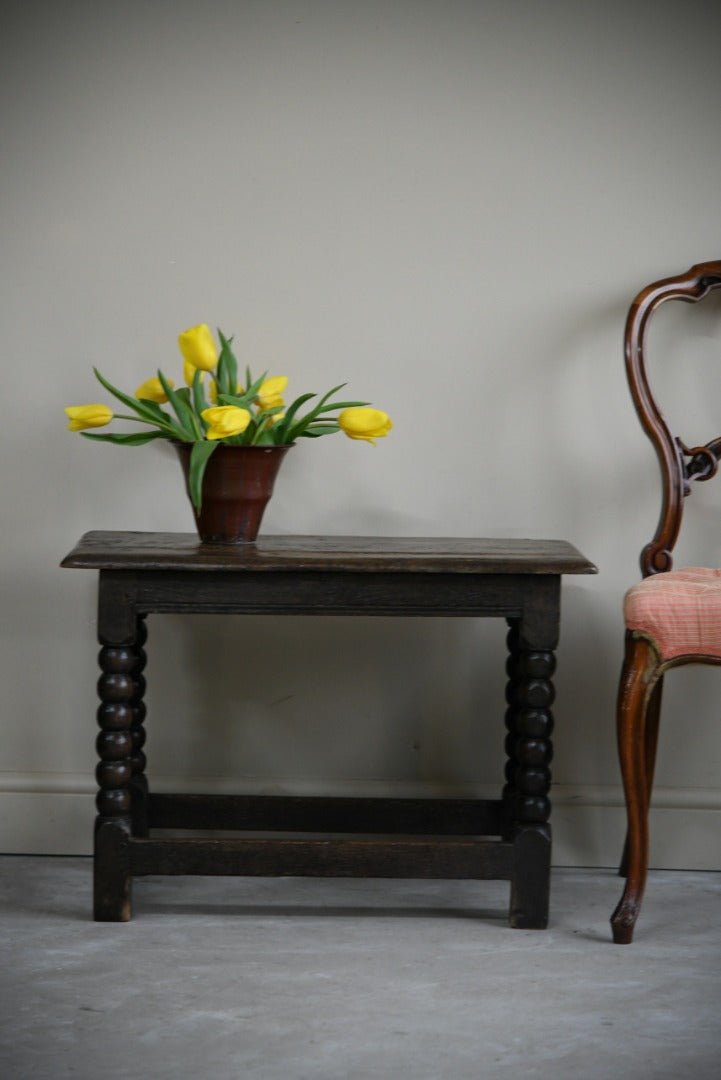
(144, 573)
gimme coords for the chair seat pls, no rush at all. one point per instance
(679, 610)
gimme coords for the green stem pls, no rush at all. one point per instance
(141, 420)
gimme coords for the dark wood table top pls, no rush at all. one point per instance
(105, 550)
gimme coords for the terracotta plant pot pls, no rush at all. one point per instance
(237, 485)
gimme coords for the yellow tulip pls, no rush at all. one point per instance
(364, 423)
(198, 347)
(86, 416)
(152, 390)
(270, 392)
(225, 420)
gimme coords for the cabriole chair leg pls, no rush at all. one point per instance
(636, 747)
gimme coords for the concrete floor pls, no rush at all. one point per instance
(283, 979)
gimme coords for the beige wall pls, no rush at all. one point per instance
(447, 205)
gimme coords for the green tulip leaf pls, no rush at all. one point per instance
(340, 405)
(266, 413)
(298, 428)
(234, 399)
(180, 401)
(254, 385)
(131, 439)
(314, 431)
(227, 371)
(282, 427)
(154, 410)
(263, 432)
(199, 456)
(264, 438)
(199, 402)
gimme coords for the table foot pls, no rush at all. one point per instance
(112, 881)
(530, 885)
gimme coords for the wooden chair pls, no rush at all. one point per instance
(672, 617)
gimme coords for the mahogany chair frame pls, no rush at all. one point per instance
(641, 682)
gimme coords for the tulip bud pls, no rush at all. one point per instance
(152, 390)
(225, 420)
(87, 416)
(270, 392)
(198, 347)
(364, 423)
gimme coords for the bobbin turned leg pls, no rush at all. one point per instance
(530, 752)
(138, 781)
(120, 689)
(509, 790)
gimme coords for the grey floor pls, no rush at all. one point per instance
(302, 979)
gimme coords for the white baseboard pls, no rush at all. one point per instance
(53, 815)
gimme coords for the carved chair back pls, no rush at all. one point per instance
(680, 465)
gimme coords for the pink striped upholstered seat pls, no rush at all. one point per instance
(679, 610)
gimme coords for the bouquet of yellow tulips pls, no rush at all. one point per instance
(250, 415)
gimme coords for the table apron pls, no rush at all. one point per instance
(532, 598)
